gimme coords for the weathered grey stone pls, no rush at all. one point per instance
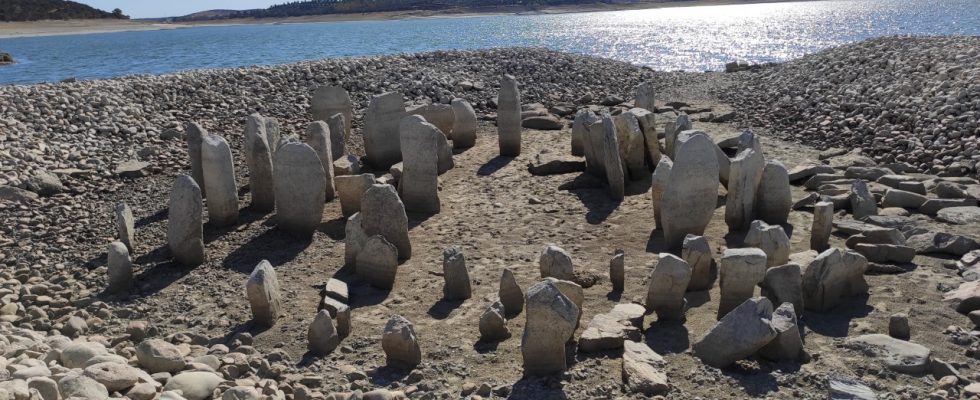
(743, 182)
(823, 224)
(741, 333)
(332, 100)
(493, 323)
(941, 242)
(382, 213)
(377, 262)
(788, 343)
(81, 387)
(510, 294)
(322, 337)
(594, 148)
(647, 120)
(239, 393)
(339, 313)
(784, 284)
(869, 174)
(897, 355)
(609, 331)
(509, 117)
(125, 227)
(843, 388)
(264, 298)
(194, 385)
(934, 206)
(346, 165)
(120, 268)
(400, 343)
(682, 124)
(464, 125)
(555, 262)
(834, 275)
(77, 354)
(632, 148)
(354, 239)
(455, 274)
(116, 377)
(898, 326)
(258, 159)
(420, 179)
(668, 282)
(644, 95)
(885, 253)
(381, 130)
(337, 124)
(741, 270)
(902, 199)
(658, 185)
(551, 320)
(774, 198)
(643, 370)
(691, 193)
(696, 252)
(45, 386)
(300, 189)
(617, 271)
(612, 163)
(964, 299)
(185, 229)
(219, 177)
(274, 135)
(155, 355)
(771, 239)
(441, 115)
(802, 172)
(195, 138)
(960, 215)
(350, 189)
(319, 139)
(580, 131)
(573, 292)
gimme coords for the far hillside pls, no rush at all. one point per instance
(35, 10)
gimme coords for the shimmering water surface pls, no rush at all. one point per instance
(692, 38)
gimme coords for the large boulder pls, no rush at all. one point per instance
(898, 355)
(400, 343)
(691, 192)
(741, 333)
(551, 320)
(155, 355)
(833, 276)
(668, 282)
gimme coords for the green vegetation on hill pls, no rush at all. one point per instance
(34, 10)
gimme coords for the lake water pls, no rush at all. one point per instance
(682, 38)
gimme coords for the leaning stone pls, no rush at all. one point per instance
(262, 289)
(691, 193)
(300, 189)
(617, 271)
(377, 262)
(219, 177)
(784, 284)
(774, 198)
(455, 274)
(337, 124)
(120, 268)
(350, 189)
(743, 183)
(510, 294)
(902, 199)
(968, 215)
(834, 275)
(155, 355)
(332, 100)
(319, 138)
(381, 130)
(741, 333)
(339, 313)
(741, 270)
(509, 117)
(400, 343)
(420, 179)
(573, 292)
(464, 126)
(194, 385)
(493, 324)
(898, 355)
(551, 319)
(788, 343)
(965, 299)
(668, 282)
(771, 239)
(643, 370)
(195, 138)
(322, 338)
(696, 252)
(612, 163)
(823, 220)
(258, 159)
(555, 262)
(658, 185)
(125, 227)
(382, 213)
(941, 242)
(580, 130)
(185, 230)
(354, 239)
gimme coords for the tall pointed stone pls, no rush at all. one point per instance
(551, 319)
(743, 183)
(741, 270)
(580, 131)
(219, 178)
(863, 203)
(381, 137)
(510, 294)
(331, 100)
(651, 140)
(774, 200)
(667, 284)
(195, 137)
(125, 227)
(455, 274)
(338, 136)
(644, 96)
(509, 117)
(120, 268)
(691, 192)
(322, 337)
(823, 225)
(595, 161)
(464, 126)
(382, 213)
(319, 138)
(262, 290)
(258, 159)
(612, 163)
(658, 184)
(420, 176)
(617, 271)
(300, 189)
(185, 225)
(696, 252)
(632, 148)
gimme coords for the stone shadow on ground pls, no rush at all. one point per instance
(530, 387)
(495, 164)
(249, 327)
(157, 270)
(698, 298)
(488, 346)
(442, 308)
(158, 216)
(416, 219)
(387, 375)
(361, 294)
(335, 229)
(245, 217)
(756, 382)
(667, 337)
(836, 321)
(598, 203)
(657, 243)
(274, 245)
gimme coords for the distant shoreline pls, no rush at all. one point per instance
(9, 30)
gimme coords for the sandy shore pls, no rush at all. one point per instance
(74, 27)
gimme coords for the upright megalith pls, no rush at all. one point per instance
(262, 290)
(442, 116)
(788, 343)
(823, 225)
(338, 136)
(774, 199)
(455, 275)
(332, 100)
(696, 252)
(377, 262)
(382, 213)
(784, 284)
(611, 161)
(319, 138)
(658, 184)
(617, 271)
(381, 125)
(185, 225)
(354, 239)
(595, 162)
(691, 192)
(493, 323)
(509, 117)
(667, 284)
(219, 180)
(350, 189)
(740, 271)
(322, 337)
(464, 126)
(644, 96)
(120, 268)
(580, 130)
(258, 159)
(682, 124)
(420, 175)
(400, 344)
(743, 183)
(771, 239)
(510, 294)
(551, 320)
(632, 147)
(738, 335)
(195, 138)
(863, 203)
(555, 262)
(651, 140)
(125, 225)
(273, 134)
(833, 276)
(300, 189)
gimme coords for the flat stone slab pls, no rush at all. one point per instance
(960, 215)
(555, 164)
(896, 354)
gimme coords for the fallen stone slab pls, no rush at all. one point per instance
(902, 199)
(643, 370)
(964, 299)
(610, 330)
(933, 206)
(940, 242)
(960, 215)
(802, 172)
(543, 123)
(886, 253)
(898, 355)
(132, 169)
(850, 389)
(548, 163)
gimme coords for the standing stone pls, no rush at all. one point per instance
(551, 320)
(644, 96)
(823, 224)
(381, 130)
(863, 203)
(319, 138)
(741, 333)
(580, 131)
(262, 290)
(741, 270)
(440, 115)
(420, 176)
(774, 199)
(219, 178)
(510, 294)
(612, 163)
(696, 252)
(258, 159)
(788, 343)
(195, 138)
(682, 124)
(377, 262)
(771, 239)
(300, 189)
(274, 135)
(632, 149)
(464, 126)
(493, 324)
(337, 126)
(400, 344)
(573, 292)
(354, 239)
(120, 269)
(125, 226)
(455, 274)
(784, 284)
(898, 326)
(658, 184)
(667, 284)
(339, 312)
(185, 226)
(595, 162)
(350, 189)
(691, 192)
(617, 271)
(322, 337)
(832, 276)
(509, 117)
(332, 100)
(743, 182)
(648, 124)
(382, 213)
(555, 262)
